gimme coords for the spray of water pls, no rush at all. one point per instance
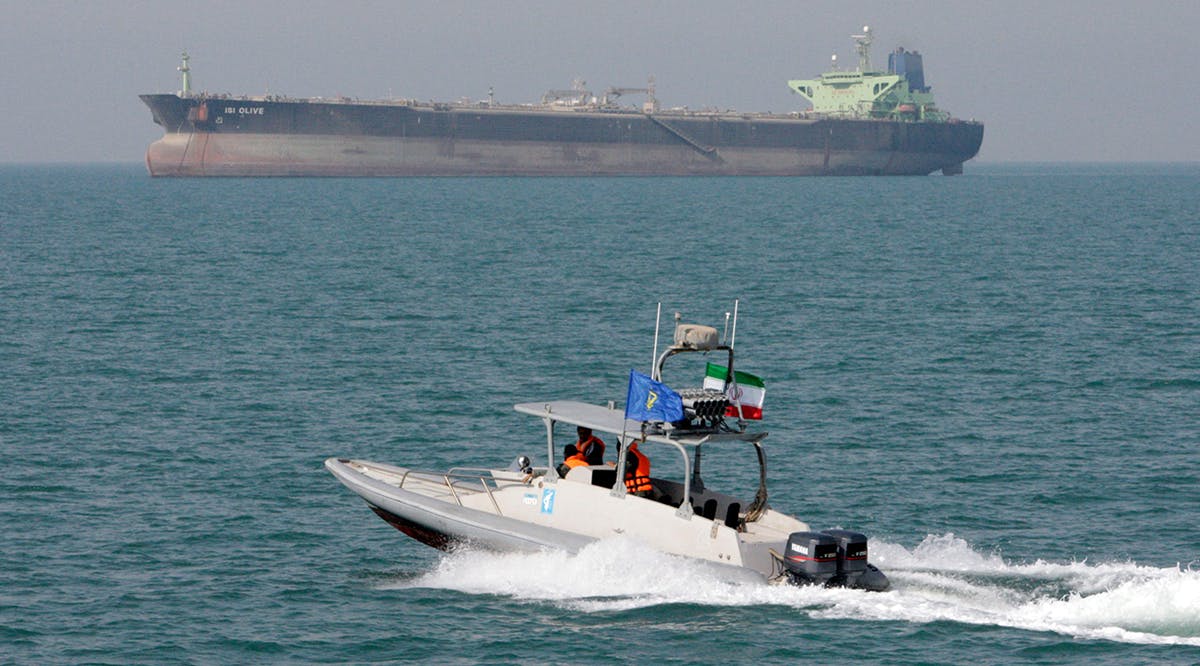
(941, 579)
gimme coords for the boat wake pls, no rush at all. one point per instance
(941, 579)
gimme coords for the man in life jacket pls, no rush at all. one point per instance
(572, 458)
(637, 471)
(591, 446)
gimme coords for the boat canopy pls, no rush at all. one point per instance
(612, 420)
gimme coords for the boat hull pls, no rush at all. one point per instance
(442, 525)
(305, 138)
(533, 514)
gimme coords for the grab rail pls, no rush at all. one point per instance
(461, 473)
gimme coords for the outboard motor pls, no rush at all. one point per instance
(811, 558)
(851, 556)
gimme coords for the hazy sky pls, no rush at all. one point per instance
(1053, 80)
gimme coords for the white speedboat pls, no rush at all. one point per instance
(527, 508)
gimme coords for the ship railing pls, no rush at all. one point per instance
(461, 478)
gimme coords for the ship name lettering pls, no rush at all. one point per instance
(249, 111)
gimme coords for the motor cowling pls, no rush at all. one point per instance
(851, 556)
(811, 558)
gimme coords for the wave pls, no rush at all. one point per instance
(941, 579)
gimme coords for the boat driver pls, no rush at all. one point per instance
(590, 446)
(572, 458)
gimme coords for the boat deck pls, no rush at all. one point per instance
(464, 486)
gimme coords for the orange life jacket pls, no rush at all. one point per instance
(638, 481)
(576, 460)
(592, 448)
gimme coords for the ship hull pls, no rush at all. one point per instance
(243, 137)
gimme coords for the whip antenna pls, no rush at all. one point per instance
(734, 335)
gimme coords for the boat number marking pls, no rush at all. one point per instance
(245, 110)
(530, 499)
(548, 500)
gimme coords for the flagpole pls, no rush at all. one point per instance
(654, 355)
(621, 439)
(732, 375)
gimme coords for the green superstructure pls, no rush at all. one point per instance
(897, 94)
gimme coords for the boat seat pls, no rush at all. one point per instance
(579, 474)
(603, 476)
(710, 509)
(595, 475)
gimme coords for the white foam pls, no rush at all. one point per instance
(613, 574)
(941, 579)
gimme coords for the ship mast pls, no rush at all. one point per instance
(864, 49)
(187, 75)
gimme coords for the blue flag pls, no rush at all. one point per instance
(648, 400)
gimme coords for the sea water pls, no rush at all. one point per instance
(995, 376)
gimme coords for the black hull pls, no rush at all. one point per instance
(244, 137)
(426, 535)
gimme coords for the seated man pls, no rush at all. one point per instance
(591, 446)
(637, 472)
(571, 458)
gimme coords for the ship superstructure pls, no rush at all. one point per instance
(898, 94)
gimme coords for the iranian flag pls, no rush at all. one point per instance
(749, 390)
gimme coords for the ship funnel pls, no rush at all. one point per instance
(908, 64)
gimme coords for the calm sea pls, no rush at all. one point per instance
(995, 376)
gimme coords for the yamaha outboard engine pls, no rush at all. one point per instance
(811, 558)
(833, 558)
(851, 556)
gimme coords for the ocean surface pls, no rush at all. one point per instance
(995, 376)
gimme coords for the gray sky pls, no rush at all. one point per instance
(1053, 80)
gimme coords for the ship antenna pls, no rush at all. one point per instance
(733, 335)
(864, 49)
(725, 335)
(654, 358)
(187, 75)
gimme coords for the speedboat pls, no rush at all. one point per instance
(526, 507)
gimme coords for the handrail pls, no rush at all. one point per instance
(460, 473)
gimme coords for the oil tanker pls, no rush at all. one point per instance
(862, 122)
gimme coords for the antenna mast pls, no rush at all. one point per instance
(733, 336)
(864, 49)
